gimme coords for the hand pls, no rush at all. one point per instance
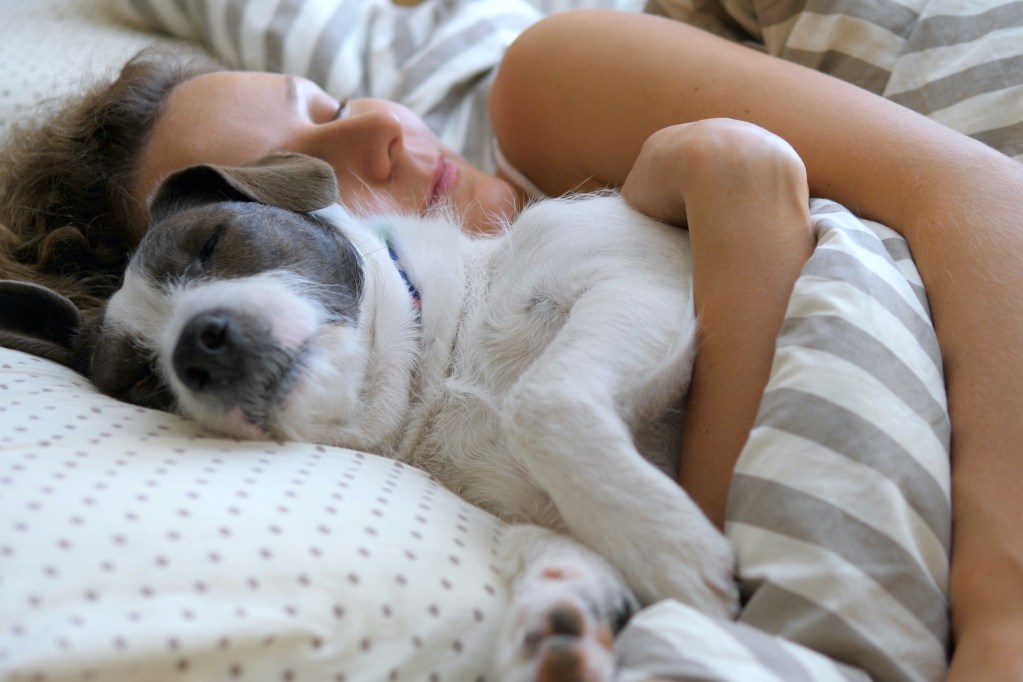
(675, 159)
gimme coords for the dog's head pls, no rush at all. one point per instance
(240, 307)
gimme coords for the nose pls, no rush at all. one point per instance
(366, 144)
(207, 356)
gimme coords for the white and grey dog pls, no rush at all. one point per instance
(539, 374)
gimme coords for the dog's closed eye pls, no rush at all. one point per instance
(203, 260)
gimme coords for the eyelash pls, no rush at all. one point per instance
(341, 109)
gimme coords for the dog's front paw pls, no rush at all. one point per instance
(567, 606)
(688, 560)
(714, 570)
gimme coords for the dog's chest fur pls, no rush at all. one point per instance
(500, 304)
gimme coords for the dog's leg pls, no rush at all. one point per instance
(567, 605)
(568, 423)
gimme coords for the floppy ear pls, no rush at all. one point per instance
(38, 320)
(287, 180)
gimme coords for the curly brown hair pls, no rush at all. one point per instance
(68, 215)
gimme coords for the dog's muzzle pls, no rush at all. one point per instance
(233, 359)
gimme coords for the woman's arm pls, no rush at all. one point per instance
(578, 94)
(742, 193)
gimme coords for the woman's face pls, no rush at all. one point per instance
(384, 155)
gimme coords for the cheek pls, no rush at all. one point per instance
(364, 200)
(493, 204)
(368, 202)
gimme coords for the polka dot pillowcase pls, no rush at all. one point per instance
(134, 547)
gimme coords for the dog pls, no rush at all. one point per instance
(540, 374)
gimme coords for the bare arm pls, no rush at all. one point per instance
(742, 193)
(617, 78)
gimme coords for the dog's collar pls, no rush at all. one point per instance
(417, 302)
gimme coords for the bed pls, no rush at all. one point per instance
(133, 546)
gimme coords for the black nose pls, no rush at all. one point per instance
(207, 354)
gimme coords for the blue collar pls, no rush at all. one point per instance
(417, 302)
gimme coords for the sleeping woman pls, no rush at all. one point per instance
(696, 131)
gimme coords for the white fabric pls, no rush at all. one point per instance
(134, 547)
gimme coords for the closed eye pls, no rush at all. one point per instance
(341, 109)
(204, 256)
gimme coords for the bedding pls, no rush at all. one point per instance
(134, 544)
(131, 544)
(959, 63)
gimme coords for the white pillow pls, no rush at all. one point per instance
(134, 547)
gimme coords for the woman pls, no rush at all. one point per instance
(619, 110)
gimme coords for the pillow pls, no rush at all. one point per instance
(839, 507)
(56, 47)
(134, 547)
(959, 63)
(840, 503)
(670, 642)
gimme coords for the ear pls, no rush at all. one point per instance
(294, 182)
(38, 320)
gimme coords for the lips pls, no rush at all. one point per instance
(444, 178)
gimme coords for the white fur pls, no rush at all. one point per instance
(543, 382)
